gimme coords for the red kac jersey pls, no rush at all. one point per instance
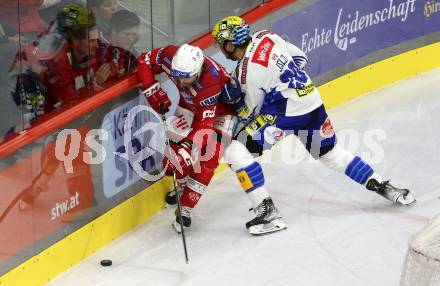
(202, 98)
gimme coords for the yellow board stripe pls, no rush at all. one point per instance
(136, 210)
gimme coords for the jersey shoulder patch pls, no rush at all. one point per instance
(262, 52)
(243, 70)
(214, 71)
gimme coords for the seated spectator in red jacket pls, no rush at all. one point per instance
(117, 46)
(74, 72)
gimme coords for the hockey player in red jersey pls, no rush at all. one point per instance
(197, 145)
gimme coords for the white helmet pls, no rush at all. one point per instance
(187, 61)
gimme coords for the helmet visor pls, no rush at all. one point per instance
(181, 74)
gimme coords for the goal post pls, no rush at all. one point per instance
(422, 263)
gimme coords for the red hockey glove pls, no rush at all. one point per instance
(157, 98)
(181, 161)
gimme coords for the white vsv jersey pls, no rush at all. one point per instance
(271, 72)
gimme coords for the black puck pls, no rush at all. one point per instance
(106, 262)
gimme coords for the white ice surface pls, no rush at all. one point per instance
(338, 232)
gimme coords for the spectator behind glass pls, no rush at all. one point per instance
(16, 111)
(124, 30)
(29, 68)
(11, 117)
(103, 11)
(74, 72)
(117, 46)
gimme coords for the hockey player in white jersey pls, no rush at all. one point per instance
(277, 96)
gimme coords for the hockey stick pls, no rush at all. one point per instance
(179, 209)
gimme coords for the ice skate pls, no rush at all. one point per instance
(385, 189)
(268, 219)
(171, 197)
(186, 219)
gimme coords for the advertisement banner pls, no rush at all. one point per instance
(335, 32)
(38, 196)
(117, 172)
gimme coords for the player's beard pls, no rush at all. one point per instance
(229, 55)
(188, 83)
(184, 85)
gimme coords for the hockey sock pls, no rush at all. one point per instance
(251, 179)
(192, 193)
(249, 173)
(359, 171)
(355, 168)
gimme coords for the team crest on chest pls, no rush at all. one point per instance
(210, 100)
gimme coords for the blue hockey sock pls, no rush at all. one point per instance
(358, 170)
(251, 177)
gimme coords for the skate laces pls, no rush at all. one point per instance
(185, 211)
(257, 210)
(379, 186)
(261, 210)
(385, 183)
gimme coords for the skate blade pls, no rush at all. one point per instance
(407, 200)
(273, 226)
(177, 227)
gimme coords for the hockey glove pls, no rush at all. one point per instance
(274, 103)
(181, 161)
(157, 98)
(232, 95)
